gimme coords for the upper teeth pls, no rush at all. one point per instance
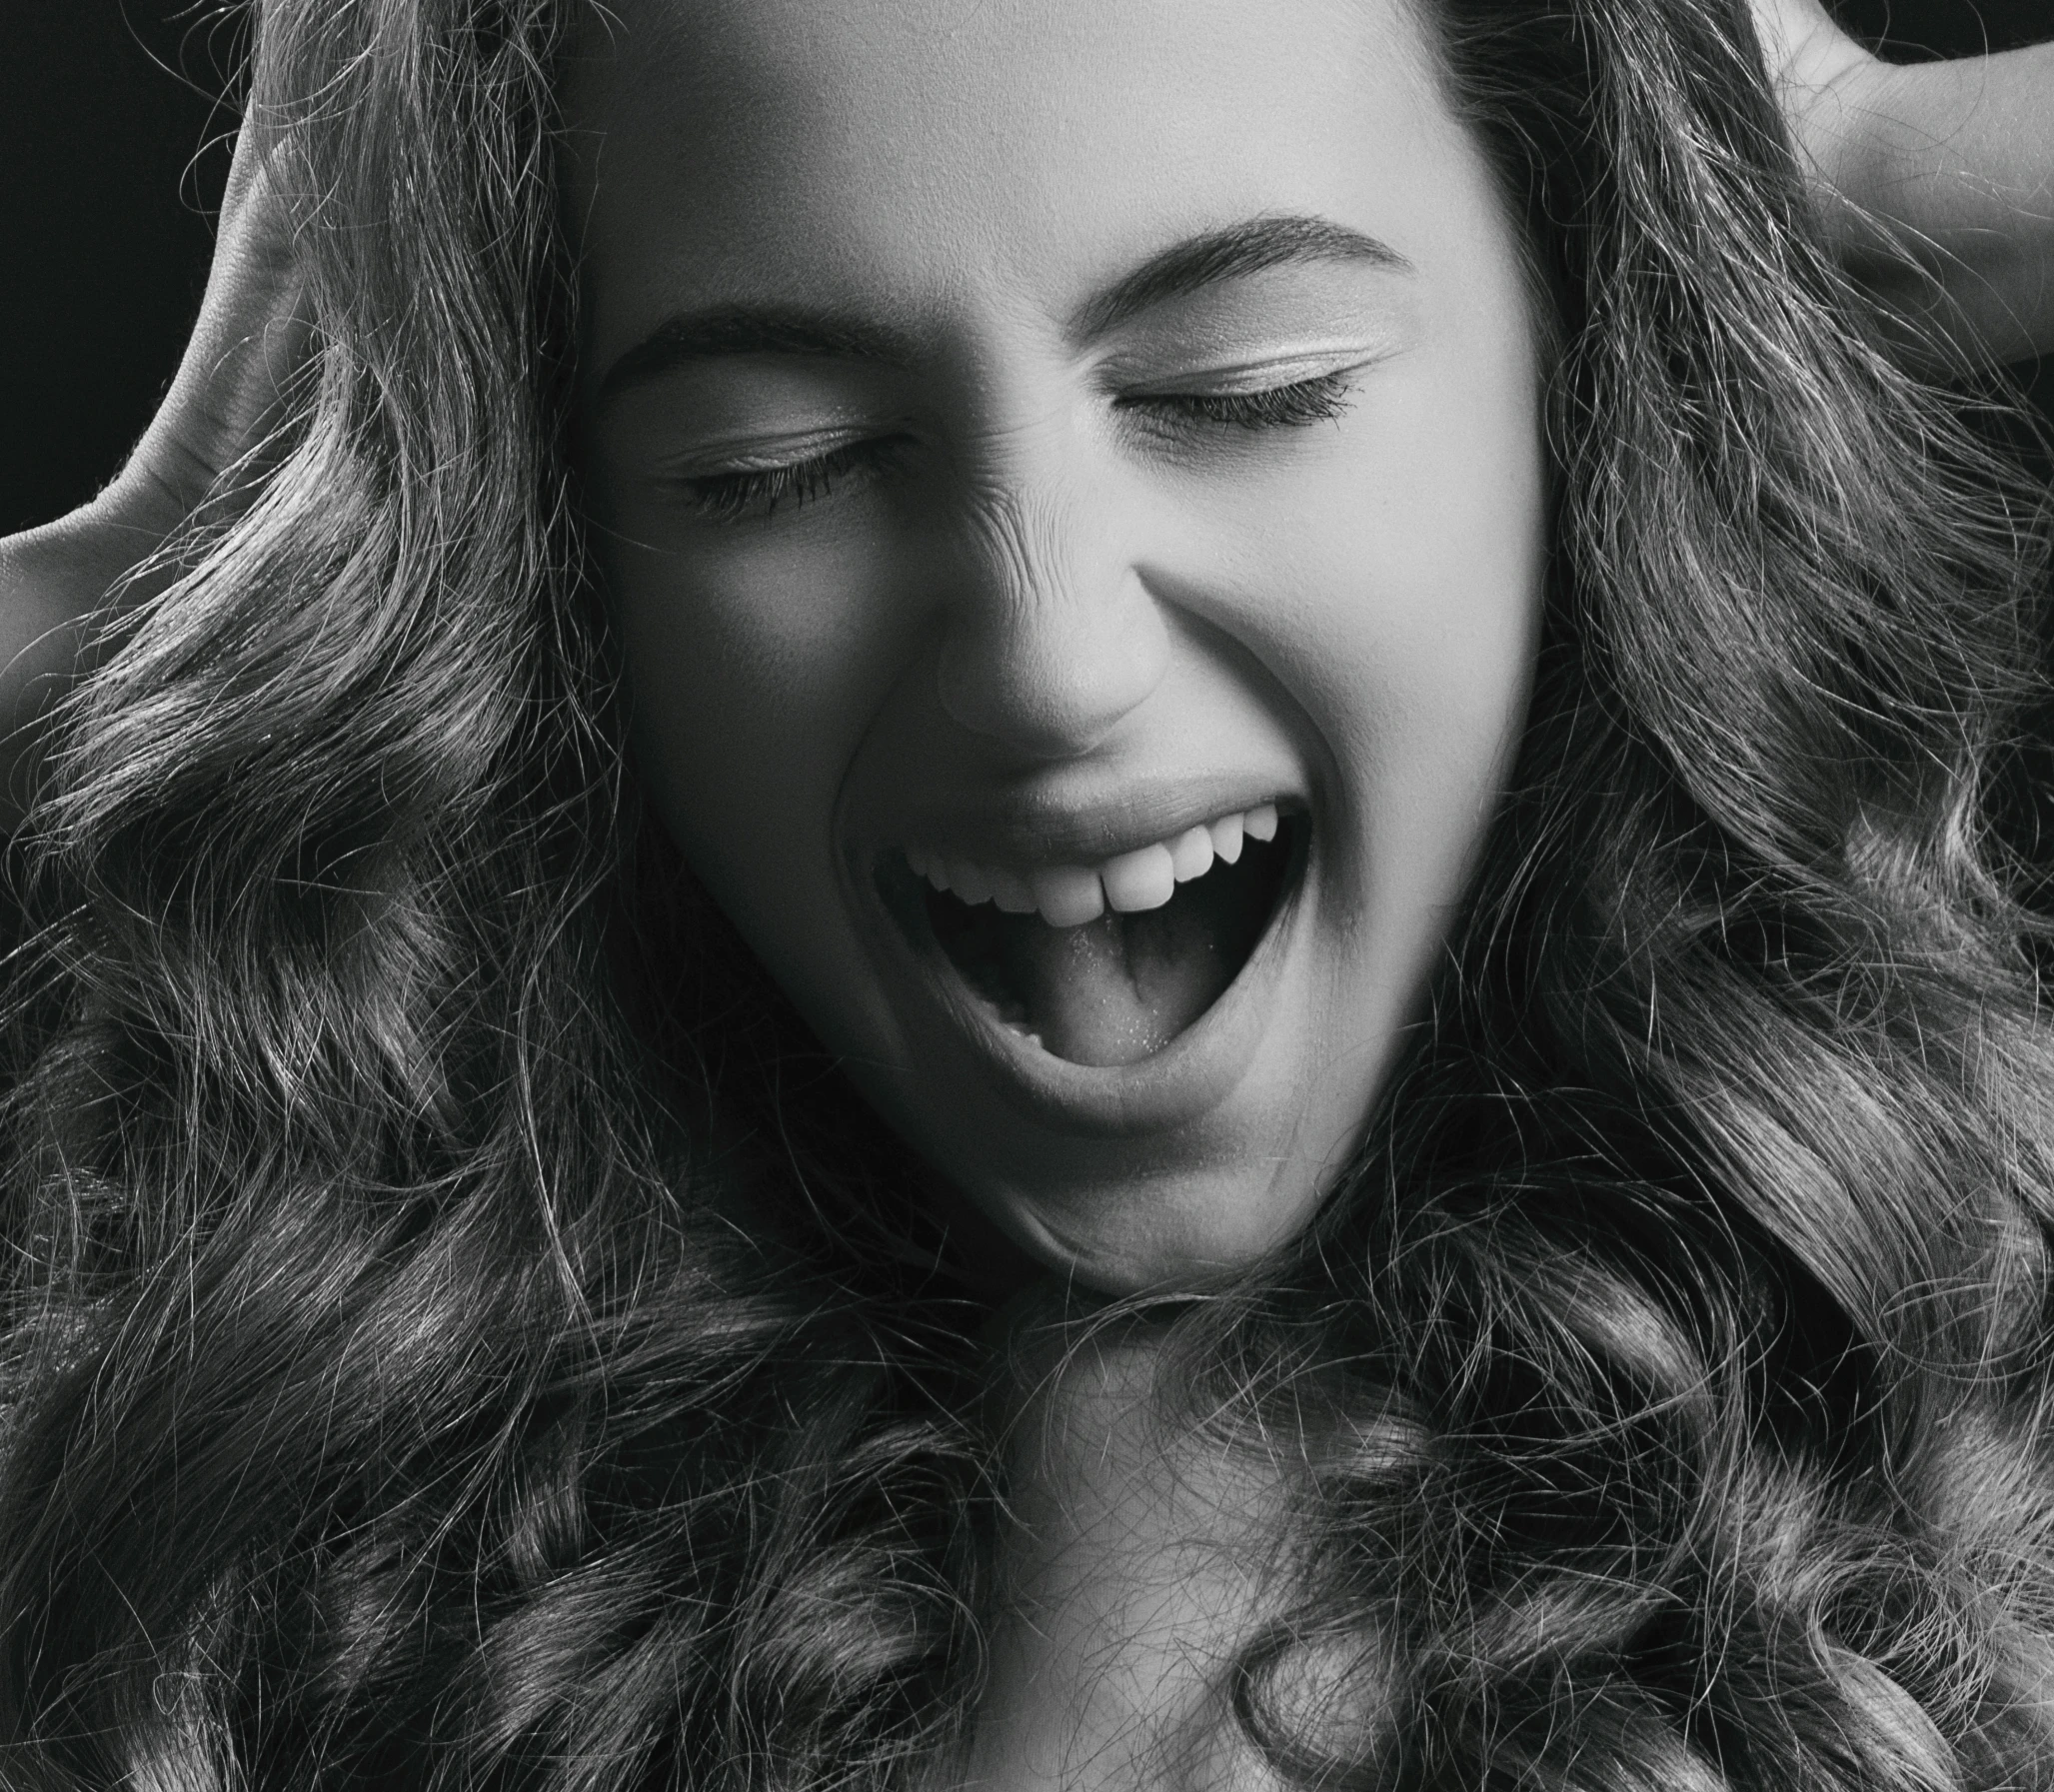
(1067, 895)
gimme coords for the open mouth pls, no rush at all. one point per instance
(1105, 965)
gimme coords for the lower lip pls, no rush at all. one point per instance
(1171, 1088)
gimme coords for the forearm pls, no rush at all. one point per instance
(1940, 192)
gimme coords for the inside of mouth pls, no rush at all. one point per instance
(1121, 987)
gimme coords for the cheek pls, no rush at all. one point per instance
(1406, 590)
(1402, 585)
(752, 675)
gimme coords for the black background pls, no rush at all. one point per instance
(113, 150)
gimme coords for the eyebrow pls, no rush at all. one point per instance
(1232, 253)
(733, 330)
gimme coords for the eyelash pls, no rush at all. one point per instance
(732, 497)
(1303, 402)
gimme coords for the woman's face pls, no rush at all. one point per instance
(1039, 449)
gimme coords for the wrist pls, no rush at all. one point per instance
(1846, 144)
(1859, 134)
(1835, 109)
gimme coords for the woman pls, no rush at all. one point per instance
(1322, 653)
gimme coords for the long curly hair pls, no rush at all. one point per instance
(432, 1359)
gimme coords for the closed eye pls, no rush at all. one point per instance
(1294, 405)
(763, 491)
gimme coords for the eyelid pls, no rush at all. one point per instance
(1267, 375)
(768, 454)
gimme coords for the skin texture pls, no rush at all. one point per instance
(1060, 615)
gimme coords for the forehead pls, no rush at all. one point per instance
(917, 155)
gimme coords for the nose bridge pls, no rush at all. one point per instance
(1052, 636)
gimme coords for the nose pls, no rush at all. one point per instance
(1051, 636)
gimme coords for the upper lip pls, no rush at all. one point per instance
(1030, 828)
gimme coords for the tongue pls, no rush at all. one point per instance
(1120, 988)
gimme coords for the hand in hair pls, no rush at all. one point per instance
(1936, 179)
(59, 581)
